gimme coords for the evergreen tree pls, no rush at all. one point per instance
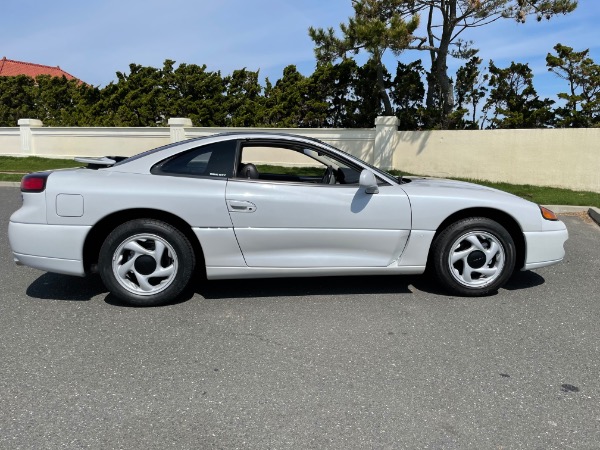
(513, 100)
(470, 90)
(582, 107)
(380, 25)
(201, 95)
(377, 26)
(407, 93)
(284, 101)
(446, 22)
(243, 99)
(16, 100)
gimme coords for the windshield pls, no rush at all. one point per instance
(370, 166)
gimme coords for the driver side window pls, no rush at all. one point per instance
(300, 164)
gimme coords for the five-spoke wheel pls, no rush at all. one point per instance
(473, 256)
(146, 262)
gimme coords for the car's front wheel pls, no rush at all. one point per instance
(474, 256)
(146, 262)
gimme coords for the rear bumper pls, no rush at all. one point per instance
(52, 248)
(545, 248)
(55, 265)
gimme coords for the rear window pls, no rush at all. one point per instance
(211, 160)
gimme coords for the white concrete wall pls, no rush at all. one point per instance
(95, 141)
(567, 158)
(10, 141)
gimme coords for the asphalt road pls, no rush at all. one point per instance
(362, 362)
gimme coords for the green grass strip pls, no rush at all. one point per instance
(11, 177)
(34, 164)
(12, 168)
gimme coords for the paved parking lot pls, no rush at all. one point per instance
(363, 362)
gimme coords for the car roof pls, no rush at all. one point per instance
(173, 148)
(142, 162)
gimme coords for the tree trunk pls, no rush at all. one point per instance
(430, 99)
(439, 78)
(387, 104)
(440, 72)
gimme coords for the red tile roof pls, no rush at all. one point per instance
(10, 68)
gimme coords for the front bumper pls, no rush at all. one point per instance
(545, 248)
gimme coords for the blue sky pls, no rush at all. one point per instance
(93, 39)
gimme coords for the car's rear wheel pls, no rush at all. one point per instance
(474, 256)
(146, 262)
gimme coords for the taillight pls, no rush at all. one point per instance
(34, 182)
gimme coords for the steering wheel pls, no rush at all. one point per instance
(328, 176)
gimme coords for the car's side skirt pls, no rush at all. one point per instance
(538, 265)
(220, 273)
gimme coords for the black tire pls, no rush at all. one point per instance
(146, 262)
(478, 269)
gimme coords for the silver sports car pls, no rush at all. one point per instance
(262, 205)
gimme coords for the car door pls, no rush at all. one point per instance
(294, 220)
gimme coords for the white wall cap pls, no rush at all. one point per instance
(180, 121)
(387, 121)
(30, 123)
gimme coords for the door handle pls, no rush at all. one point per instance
(240, 206)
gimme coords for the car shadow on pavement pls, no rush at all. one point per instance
(52, 286)
(524, 280)
(518, 281)
(297, 287)
(114, 301)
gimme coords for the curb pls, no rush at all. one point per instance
(594, 213)
(561, 209)
(10, 184)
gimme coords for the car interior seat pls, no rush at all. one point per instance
(248, 171)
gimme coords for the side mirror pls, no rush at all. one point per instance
(368, 182)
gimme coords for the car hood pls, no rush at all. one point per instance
(460, 188)
(443, 184)
(433, 200)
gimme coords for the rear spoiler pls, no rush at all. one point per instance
(100, 162)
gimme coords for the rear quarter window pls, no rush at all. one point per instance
(214, 160)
